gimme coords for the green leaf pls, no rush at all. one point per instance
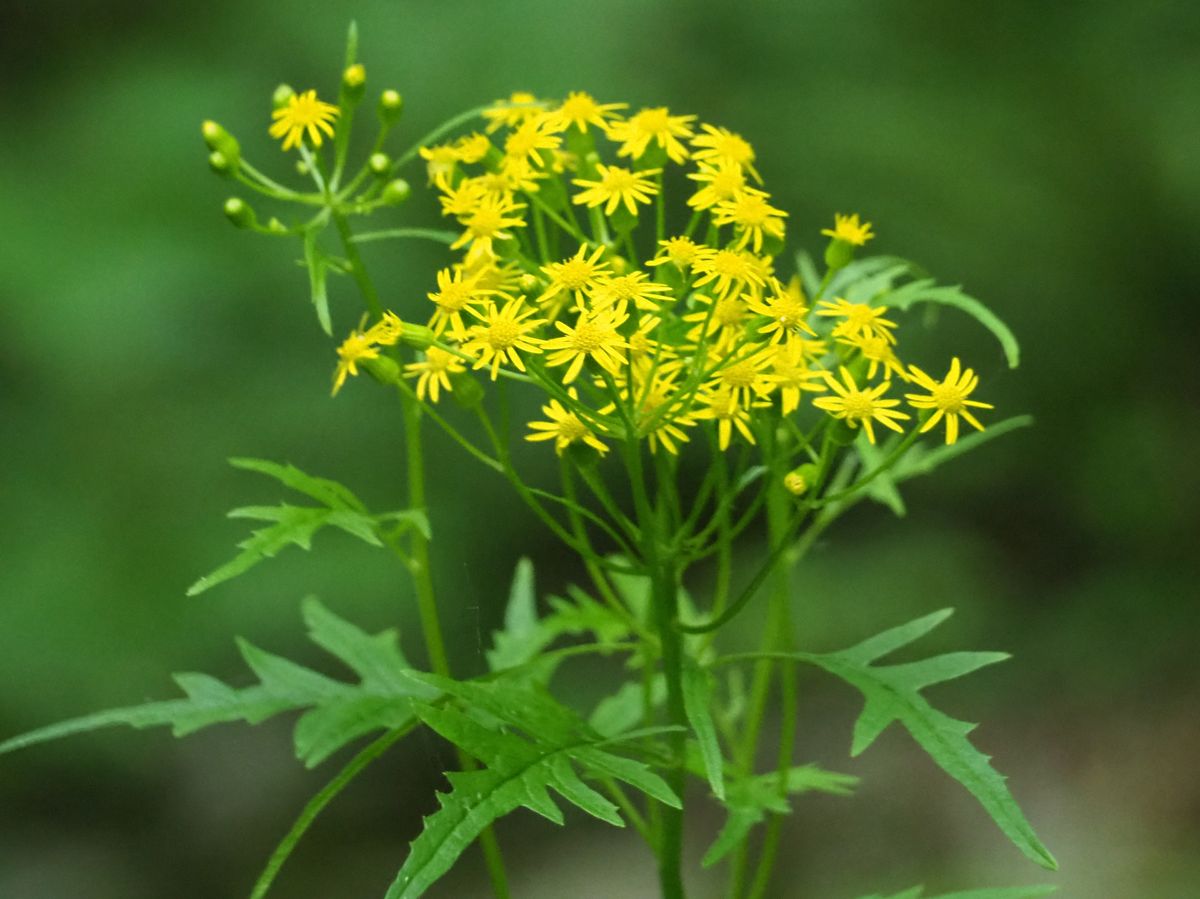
(337, 712)
(750, 798)
(697, 703)
(317, 264)
(926, 290)
(520, 771)
(920, 461)
(892, 693)
(295, 525)
(1030, 892)
(523, 636)
(625, 709)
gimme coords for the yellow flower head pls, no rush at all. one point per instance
(878, 352)
(455, 294)
(529, 139)
(860, 407)
(580, 110)
(948, 398)
(632, 287)
(574, 276)
(354, 349)
(786, 311)
(681, 252)
(303, 113)
(722, 407)
(658, 125)
(510, 113)
(487, 222)
(501, 335)
(564, 428)
(751, 216)
(791, 375)
(617, 186)
(719, 183)
(433, 373)
(858, 319)
(728, 270)
(594, 337)
(849, 229)
(719, 146)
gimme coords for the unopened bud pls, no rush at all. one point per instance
(355, 76)
(275, 226)
(391, 104)
(379, 163)
(396, 192)
(221, 141)
(799, 480)
(528, 282)
(219, 163)
(282, 95)
(239, 212)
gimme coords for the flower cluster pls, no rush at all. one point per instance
(569, 278)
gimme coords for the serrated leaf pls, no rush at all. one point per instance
(522, 637)
(697, 703)
(317, 264)
(519, 772)
(294, 526)
(750, 798)
(325, 491)
(625, 709)
(926, 290)
(892, 694)
(338, 712)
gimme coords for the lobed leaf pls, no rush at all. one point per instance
(926, 290)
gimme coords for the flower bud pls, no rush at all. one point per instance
(417, 336)
(239, 212)
(275, 226)
(839, 253)
(391, 105)
(282, 95)
(396, 192)
(528, 282)
(219, 163)
(379, 163)
(353, 81)
(221, 141)
(799, 480)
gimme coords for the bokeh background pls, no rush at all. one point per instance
(1044, 155)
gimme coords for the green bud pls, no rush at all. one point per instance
(417, 336)
(467, 392)
(354, 81)
(301, 167)
(282, 95)
(396, 192)
(219, 163)
(839, 254)
(221, 141)
(800, 480)
(275, 226)
(379, 163)
(383, 369)
(391, 105)
(239, 212)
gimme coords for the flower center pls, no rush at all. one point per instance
(588, 337)
(503, 333)
(858, 405)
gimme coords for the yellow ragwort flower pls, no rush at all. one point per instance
(859, 319)
(860, 407)
(512, 112)
(720, 145)
(751, 216)
(455, 294)
(849, 229)
(681, 252)
(500, 334)
(433, 373)
(948, 398)
(593, 337)
(658, 125)
(617, 186)
(303, 113)
(354, 349)
(564, 428)
(878, 352)
(489, 221)
(574, 276)
(529, 139)
(719, 183)
(722, 407)
(729, 270)
(633, 287)
(786, 310)
(791, 375)
(580, 110)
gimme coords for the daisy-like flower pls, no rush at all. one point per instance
(792, 377)
(728, 270)
(653, 389)
(564, 428)
(617, 186)
(751, 216)
(574, 276)
(461, 201)
(726, 318)
(658, 125)
(440, 161)
(720, 145)
(879, 353)
(512, 112)
(386, 331)
(489, 221)
(722, 406)
(528, 140)
(860, 407)
(849, 229)
(501, 335)
(948, 398)
(433, 373)
(472, 147)
(303, 113)
(859, 319)
(593, 337)
(681, 252)
(786, 310)
(455, 293)
(633, 287)
(354, 349)
(720, 182)
(746, 379)
(580, 110)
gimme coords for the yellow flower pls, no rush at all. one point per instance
(512, 112)
(634, 287)
(386, 331)
(472, 147)
(786, 309)
(594, 336)
(860, 407)
(722, 407)
(580, 110)
(487, 222)
(792, 376)
(849, 229)
(528, 140)
(354, 349)
(653, 388)
(564, 428)
(303, 112)
(434, 372)
(658, 125)
(681, 252)
(616, 186)
(752, 216)
(462, 200)
(878, 352)
(499, 335)
(575, 275)
(721, 182)
(746, 379)
(861, 320)
(455, 294)
(720, 145)
(440, 161)
(726, 318)
(948, 398)
(729, 269)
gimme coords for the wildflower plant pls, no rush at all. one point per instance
(627, 271)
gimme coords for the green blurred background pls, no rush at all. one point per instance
(1045, 155)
